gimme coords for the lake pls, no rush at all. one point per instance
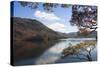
(54, 53)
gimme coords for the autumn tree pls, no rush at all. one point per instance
(81, 51)
(84, 17)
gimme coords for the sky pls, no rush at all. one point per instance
(58, 20)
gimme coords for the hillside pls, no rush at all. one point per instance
(74, 34)
(31, 37)
(27, 28)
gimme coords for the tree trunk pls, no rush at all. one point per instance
(89, 58)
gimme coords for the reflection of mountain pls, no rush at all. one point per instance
(31, 37)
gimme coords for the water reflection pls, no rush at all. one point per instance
(32, 50)
(54, 53)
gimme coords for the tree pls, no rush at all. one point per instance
(84, 17)
(46, 6)
(81, 51)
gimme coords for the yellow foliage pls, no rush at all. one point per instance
(75, 49)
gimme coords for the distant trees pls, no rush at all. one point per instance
(83, 32)
(81, 51)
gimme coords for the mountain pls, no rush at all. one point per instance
(26, 28)
(72, 34)
(94, 34)
(31, 37)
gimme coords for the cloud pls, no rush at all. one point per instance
(58, 27)
(46, 16)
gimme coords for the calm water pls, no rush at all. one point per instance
(54, 53)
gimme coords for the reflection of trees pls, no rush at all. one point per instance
(81, 51)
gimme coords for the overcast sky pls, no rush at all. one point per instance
(57, 20)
